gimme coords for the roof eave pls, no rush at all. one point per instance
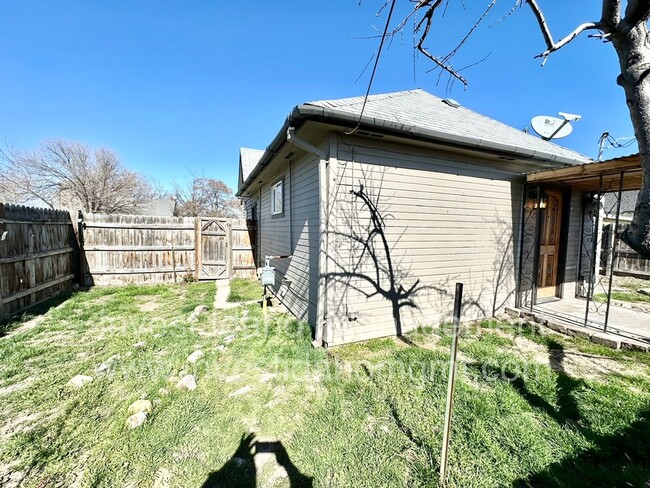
(304, 112)
(310, 111)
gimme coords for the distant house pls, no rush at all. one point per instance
(159, 207)
(383, 209)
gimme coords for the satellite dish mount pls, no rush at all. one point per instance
(553, 127)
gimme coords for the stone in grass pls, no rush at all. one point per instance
(140, 406)
(229, 339)
(107, 364)
(644, 291)
(198, 310)
(80, 380)
(241, 391)
(187, 382)
(136, 420)
(140, 345)
(195, 356)
(163, 392)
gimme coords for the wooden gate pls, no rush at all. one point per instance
(213, 248)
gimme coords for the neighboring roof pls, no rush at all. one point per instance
(159, 207)
(248, 159)
(628, 202)
(416, 113)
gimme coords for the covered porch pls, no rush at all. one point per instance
(570, 234)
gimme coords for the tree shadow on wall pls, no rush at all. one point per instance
(365, 260)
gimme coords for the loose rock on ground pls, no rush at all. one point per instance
(80, 380)
(187, 382)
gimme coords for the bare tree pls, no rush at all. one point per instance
(70, 174)
(624, 26)
(206, 197)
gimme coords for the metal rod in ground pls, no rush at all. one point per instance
(446, 433)
(264, 304)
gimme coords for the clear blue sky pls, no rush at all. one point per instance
(175, 86)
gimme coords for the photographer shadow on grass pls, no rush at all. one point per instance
(240, 470)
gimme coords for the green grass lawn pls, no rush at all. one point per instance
(624, 296)
(242, 290)
(531, 409)
(628, 291)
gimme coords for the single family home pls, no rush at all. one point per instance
(378, 207)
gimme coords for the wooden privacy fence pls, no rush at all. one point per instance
(627, 262)
(43, 252)
(120, 249)
(38, 251)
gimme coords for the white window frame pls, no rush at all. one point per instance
(277, 199)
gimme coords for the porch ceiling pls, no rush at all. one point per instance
(587, 177)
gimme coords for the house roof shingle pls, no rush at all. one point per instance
(417, 109)
(416, 113)
(248, 159)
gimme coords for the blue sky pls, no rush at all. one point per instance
(178, 86)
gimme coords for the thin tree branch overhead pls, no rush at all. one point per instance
(546, 31)
(427, 21)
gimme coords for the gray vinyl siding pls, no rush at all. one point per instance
(447, 219)
(573, 246)
(295, 233)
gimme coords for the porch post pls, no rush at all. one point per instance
(533, 289)
(590, 288)
(614, 249)
(524, 196)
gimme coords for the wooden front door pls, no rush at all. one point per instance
(213, 248)
(548, 283)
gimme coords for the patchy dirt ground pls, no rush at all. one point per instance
(572, 361)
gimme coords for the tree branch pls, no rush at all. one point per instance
(427, 20)
(637, 11)
(611, 12)
(546, 31)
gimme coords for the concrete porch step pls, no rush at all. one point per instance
(614, 341)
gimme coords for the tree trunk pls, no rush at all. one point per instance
(631, 45)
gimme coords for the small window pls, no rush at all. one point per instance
(277, 198)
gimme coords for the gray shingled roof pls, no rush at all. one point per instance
(418, 114)
(417, 111)
(248, 160)
(628, 202)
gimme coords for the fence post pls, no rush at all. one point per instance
(229, 254)
(3, 237)
(197, 247)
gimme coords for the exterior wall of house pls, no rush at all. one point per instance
(405, 225)
(295, 232)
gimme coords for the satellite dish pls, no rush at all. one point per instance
(551, 127)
